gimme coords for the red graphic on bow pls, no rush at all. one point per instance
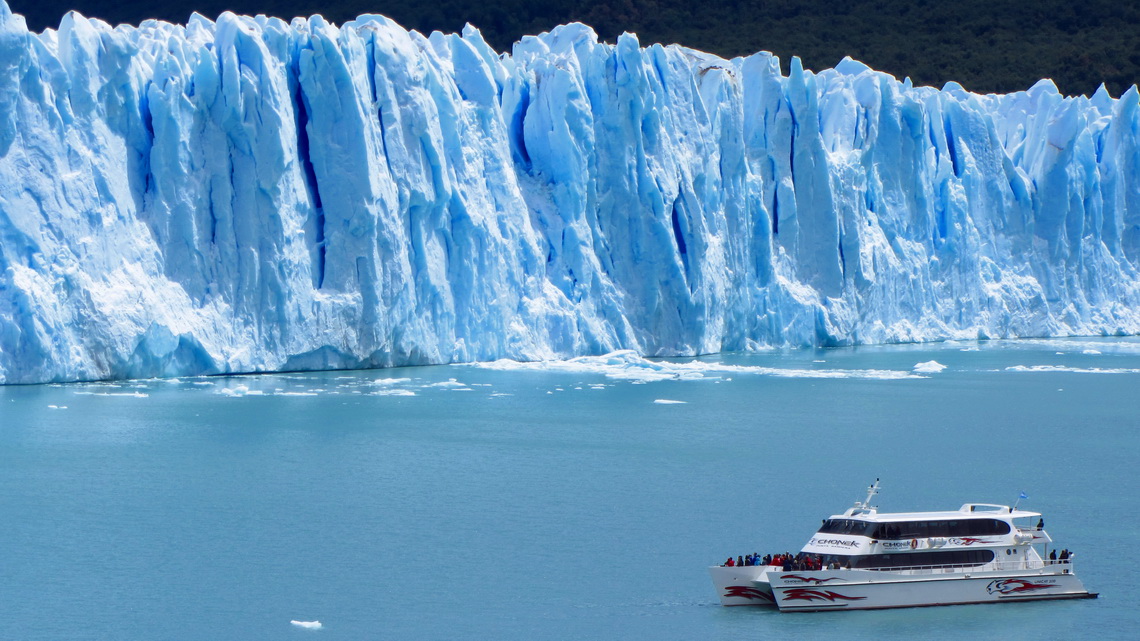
(806, 594)
(745, 592)
(1015, 586)
(810, 579)
(967, 540)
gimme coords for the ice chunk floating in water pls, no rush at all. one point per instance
(929, 367)
(254, 195)
(310, 625)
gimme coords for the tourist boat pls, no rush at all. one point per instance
(980, 553)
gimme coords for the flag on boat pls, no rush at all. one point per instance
(1022, 495)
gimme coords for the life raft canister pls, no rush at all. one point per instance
(913, 543)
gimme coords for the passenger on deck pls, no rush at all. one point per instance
(1052, 555)
(729, 563)
(1041, 523)
(740, 561)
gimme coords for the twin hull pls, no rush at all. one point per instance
(863, 590)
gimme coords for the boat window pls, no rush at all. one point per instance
(846, 526)
(913, 559)
(986, 527)
(928, 529)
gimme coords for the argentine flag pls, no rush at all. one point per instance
(1022, 495)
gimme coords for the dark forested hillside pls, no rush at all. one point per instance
(986, 45)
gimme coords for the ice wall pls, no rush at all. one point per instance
(251, 195)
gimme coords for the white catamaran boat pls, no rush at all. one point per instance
(866, 559)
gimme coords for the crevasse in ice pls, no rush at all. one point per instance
(255, 195)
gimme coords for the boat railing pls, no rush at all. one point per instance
(994, 566)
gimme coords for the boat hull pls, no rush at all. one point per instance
(868, 590)
(745, 585)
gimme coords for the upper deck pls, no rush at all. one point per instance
(968, 510)
(863, 529)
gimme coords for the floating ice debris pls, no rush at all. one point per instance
(1091, 352)
(1076, 370)
(666, 401)
(1066, 345)
(125, 394)
(310, 625)
(237, 390)
(392, 392)
(383, 382)
(929, 367)
(451, 382)
(628, 365)
(57, 407)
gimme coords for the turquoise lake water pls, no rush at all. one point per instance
(578, 502)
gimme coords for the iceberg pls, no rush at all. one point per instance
(250, 195)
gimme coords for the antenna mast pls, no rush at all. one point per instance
(872, 490)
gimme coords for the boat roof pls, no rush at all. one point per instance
(967, 511)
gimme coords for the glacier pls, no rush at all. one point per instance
(246, 195)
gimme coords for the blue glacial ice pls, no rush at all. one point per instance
(254, 195)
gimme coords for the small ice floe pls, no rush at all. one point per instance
(1091, 352)
(929, 367)
(451, 382)
(309, 625)
(392, 392)
(57, 407)
(666, 401)
(237, 390)
(383, 382)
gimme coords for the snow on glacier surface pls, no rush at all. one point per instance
(254, 195)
